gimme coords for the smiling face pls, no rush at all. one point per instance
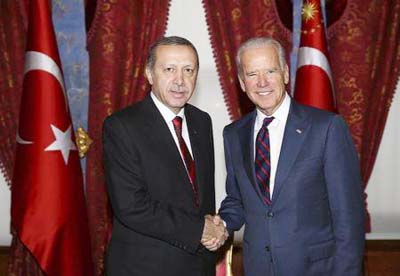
(173, 76)
(262, 78)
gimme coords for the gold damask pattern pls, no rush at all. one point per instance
(365, 51)
(365, 59)
(21, 261)
(12, 49)
(118, 41)
(231, 23)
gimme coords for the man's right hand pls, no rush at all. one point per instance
(214, 233)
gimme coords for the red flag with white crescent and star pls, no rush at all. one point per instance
(314, 83)
(48, 209)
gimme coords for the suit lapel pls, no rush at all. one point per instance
(161, 135)
(199, 153)
(297, 127)
(246, 137)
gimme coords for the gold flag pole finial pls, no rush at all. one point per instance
(83, 141)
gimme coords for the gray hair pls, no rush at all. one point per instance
(258, 42)
(168, 40)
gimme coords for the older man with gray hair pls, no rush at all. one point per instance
(293, 177)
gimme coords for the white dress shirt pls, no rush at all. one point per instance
(168, 116)
(276, 130)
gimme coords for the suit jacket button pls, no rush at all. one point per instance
(267, 248)
(270, 214)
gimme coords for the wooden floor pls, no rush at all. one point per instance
(382, 258)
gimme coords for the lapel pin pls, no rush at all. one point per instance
(299, 131)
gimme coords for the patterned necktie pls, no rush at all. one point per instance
(190, 167)
(262, 160)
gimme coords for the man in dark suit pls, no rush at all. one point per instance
(292, 177)
(159, 164)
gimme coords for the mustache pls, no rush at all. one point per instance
(178, 88)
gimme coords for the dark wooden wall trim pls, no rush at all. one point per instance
(381, 258)
(4, 259)
(382, 245)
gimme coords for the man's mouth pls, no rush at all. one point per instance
(177, 93)
(264, 93)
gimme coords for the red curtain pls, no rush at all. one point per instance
(231, 23)
(13, 26)
(20, 260)
(364, 42)
(118, 42)
(365, 51)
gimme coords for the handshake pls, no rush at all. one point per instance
(214, 233)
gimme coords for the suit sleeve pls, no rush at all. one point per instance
(344, 184)
(211, 195)
(231, 211)
(131, 201)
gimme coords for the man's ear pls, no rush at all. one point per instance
(148, 74)
(286, 74)
(241, 83)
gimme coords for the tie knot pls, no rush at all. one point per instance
(267, 121)
(177, 121)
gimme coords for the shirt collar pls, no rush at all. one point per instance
(167, 113)
(280, 114)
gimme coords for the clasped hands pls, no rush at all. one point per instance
(214, 233)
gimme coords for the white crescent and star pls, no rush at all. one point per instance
(63, 142)
(313, 56)
(39, 61)
(22, 141)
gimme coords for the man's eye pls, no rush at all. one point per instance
(189, 70)
(272, 71)
(169, 69)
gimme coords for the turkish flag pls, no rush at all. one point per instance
(48, 209)
(314, 84)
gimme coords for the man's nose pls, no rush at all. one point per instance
(262, 80)
(179, 78)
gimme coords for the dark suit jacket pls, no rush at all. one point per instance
(157, 227)
(315, 225)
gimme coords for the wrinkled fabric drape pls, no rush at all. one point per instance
(365, 59)
(13, 26)
(364, 42)
(230, 23)
(119, 38)
(20, 260)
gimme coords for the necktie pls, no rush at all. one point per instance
(262, 160)
(190, 167)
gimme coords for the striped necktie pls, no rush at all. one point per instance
(262, 160)
(189, 163)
